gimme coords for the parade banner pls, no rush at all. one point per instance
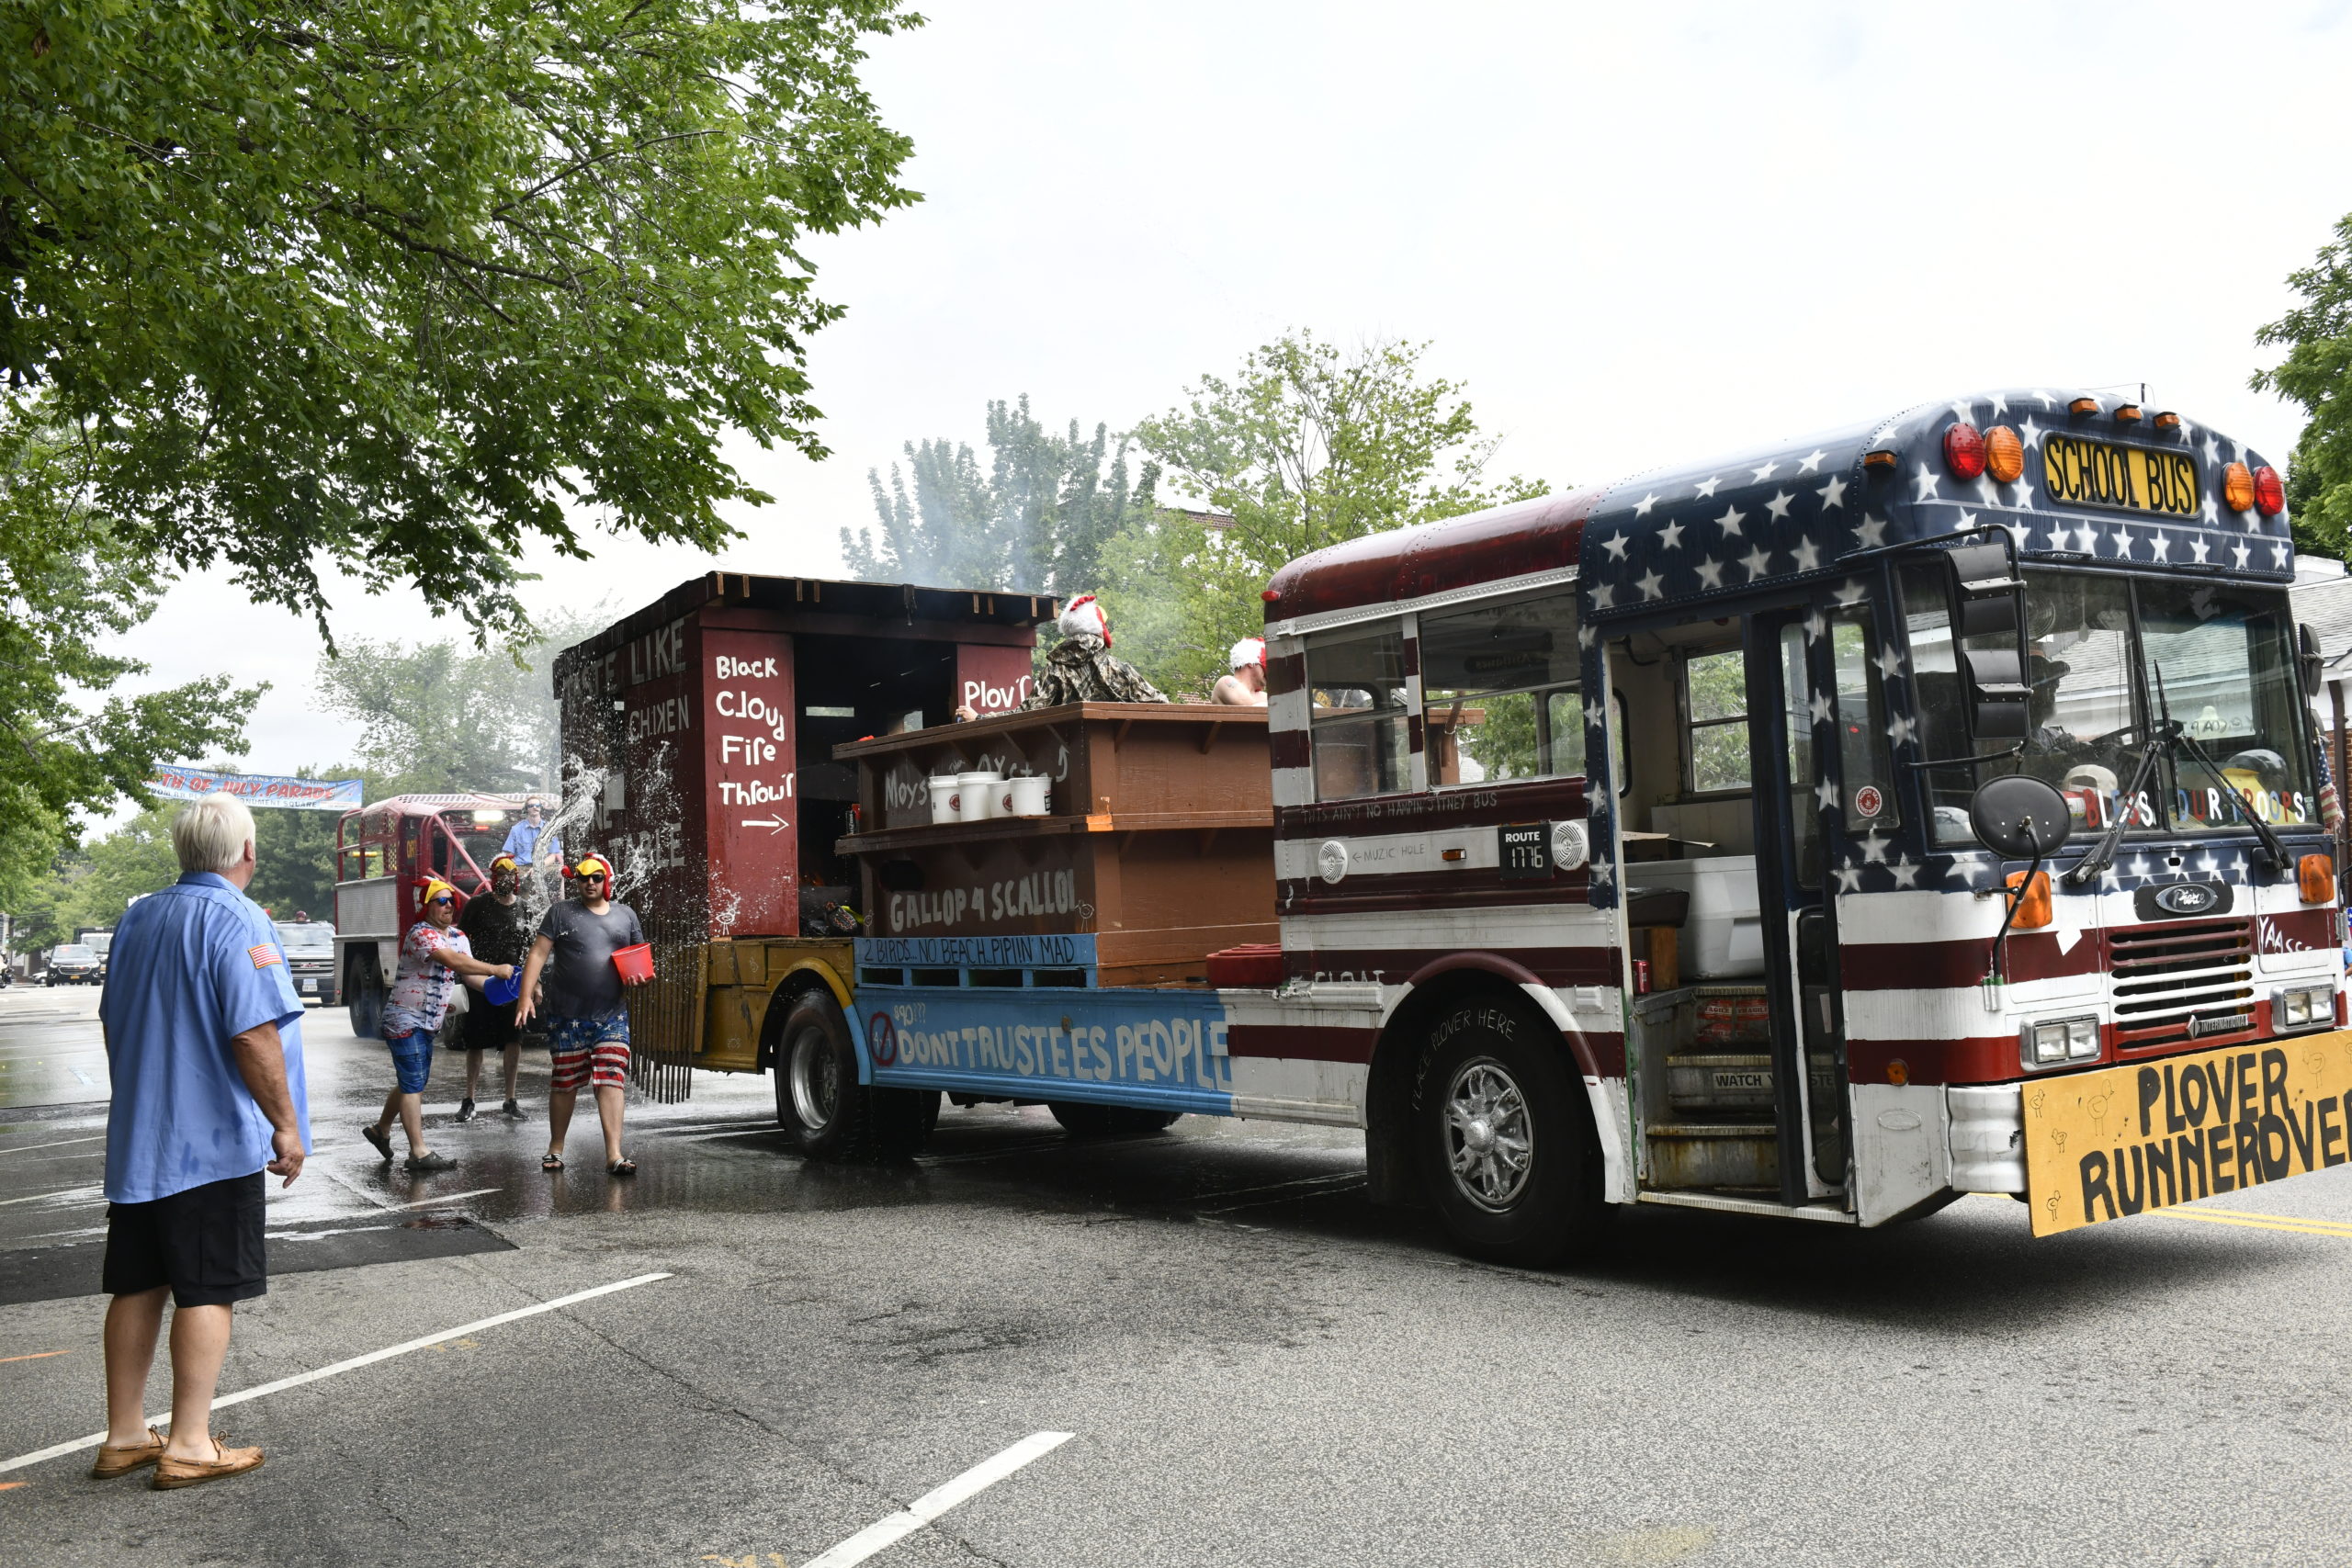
(2102, 1145)
(174, 782)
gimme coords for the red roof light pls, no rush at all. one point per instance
(2270, 491)
(1964, 451)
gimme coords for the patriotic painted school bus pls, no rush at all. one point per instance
(1925, 807)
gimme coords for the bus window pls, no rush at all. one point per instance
(1862, 753)
(1355, 682)
(2085, 737)
(1937, 710)
(1715, 692)
(2227, 662)
(1502, 681)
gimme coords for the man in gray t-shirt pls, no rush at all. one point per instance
(587, 1024)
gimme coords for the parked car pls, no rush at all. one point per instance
(309, 959)
(73, 963)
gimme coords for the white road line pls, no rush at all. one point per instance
(932, 1503)
(58, 1451)
(707, 1137)
(93, 1139)
(446, 1198)
(65, 1197)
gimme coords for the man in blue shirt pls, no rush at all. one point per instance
(524, 839)
(204, 1045)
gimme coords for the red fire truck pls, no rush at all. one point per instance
(381, 851)
(1920, 808)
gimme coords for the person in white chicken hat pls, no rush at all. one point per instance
(1080, 668)
(1246, 687)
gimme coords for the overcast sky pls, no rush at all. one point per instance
(1636, 233)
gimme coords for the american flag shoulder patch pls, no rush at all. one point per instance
(264, 954)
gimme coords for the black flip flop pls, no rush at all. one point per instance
(382, 1140)
(550, 1162)
(621, 1167)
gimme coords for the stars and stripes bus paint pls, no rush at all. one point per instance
(1559, 785)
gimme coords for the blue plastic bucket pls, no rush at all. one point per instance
(498, 992)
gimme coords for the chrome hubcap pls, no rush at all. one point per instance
(1490, 1138)
(816, 1080)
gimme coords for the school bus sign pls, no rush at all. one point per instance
(2122, 1141)
(2103, 1145)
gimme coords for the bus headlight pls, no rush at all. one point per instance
(2054, 1042)
(2302, 1007)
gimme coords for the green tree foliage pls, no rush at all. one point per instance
(440, 717)
(68, 743)
(2317, 374)
(1035, 520)
(401, 287)
(1305, 445)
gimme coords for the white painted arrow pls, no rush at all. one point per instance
(773, 824)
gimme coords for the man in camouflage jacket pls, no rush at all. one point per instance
(1081, 669)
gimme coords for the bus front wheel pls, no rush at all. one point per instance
(1507, 1143)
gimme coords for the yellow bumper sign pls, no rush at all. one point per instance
(2121, 1141)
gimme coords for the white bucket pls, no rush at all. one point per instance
(944, 806)
(979, 795)
(1027, 797)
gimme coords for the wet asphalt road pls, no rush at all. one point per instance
(1257, 1368)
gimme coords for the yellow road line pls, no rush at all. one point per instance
(2263, 1223)
(2342, 1225)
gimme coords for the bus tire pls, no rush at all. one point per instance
(1081, 1120)
(364, 987)
(1505, 1137)
(819, 1101)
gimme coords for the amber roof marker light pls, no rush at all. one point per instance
(2083, 408)
(2004, 455)
(1880, 460)
(2237, 488)
(2167, 422)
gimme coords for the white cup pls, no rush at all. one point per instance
(1027, 797)
(944, 806)
(978, 795)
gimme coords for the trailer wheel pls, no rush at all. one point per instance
(1505, 1140)
(819, 1101)
(1081, 1120)
(366, 988)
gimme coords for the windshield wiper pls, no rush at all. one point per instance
(2103, 853)
(2272, 850)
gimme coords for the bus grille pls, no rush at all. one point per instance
(2176, 983)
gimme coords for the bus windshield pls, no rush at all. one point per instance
(2104, 653)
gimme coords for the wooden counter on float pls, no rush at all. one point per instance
(1159, 841)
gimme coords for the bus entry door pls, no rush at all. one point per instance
(1793, 673)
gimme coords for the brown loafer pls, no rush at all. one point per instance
(171, 1473)
(122, 1460)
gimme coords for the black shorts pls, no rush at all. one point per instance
(487, 1028)
(205, 1243)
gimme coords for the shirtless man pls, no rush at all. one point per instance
(1246, 687)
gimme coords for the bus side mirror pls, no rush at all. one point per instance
(2307, 659)
(2019, 817)
(1988, 611)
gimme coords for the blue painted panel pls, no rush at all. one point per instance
(1119, 1046)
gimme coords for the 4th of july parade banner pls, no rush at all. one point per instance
(174, 782)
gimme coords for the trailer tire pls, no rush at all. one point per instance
(820, 1103)
(903, 1119)
(366, 988)
(1505, 1140)
(1081, 1120)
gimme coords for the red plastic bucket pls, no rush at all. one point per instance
(635, 962)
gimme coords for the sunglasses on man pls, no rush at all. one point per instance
(444, 899)
(592, 876)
